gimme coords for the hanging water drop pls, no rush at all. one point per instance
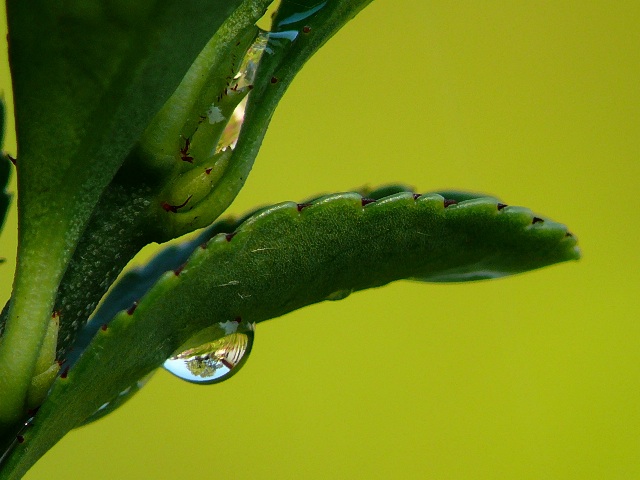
(215, 361)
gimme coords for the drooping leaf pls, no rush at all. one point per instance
(284, 258)
(134, 285)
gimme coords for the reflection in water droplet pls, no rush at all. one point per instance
(215, 361)
(231, 131)
(242, 84)
(249, 66)
(338, 295)
(266, 42)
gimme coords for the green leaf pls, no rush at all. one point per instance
(284, 258)
(88, 78)
(137, 282)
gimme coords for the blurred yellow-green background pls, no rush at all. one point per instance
(530, 377)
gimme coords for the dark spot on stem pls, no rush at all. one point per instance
(306, 29)
(448, 202)
(229, 236)
(184, 151)
(208, 170)
(537, 220)
(367, 201)
(132, 308)
(302, 206)
(179, 270)
(65, 372)
(174, 208)
(20, 438)
(416, 196)
(274, 80)
(104, 327)
(501, 206)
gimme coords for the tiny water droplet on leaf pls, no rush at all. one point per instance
(215, 361)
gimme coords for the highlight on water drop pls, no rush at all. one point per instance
(217, 360)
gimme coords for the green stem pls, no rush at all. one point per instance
(37, 278)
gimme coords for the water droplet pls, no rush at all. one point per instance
(231, 131)
(215, 361)
(338, 295)
(249, 66)
(242, 84)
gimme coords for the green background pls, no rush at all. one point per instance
(530, 377)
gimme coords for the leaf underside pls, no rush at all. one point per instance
(286, 257)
